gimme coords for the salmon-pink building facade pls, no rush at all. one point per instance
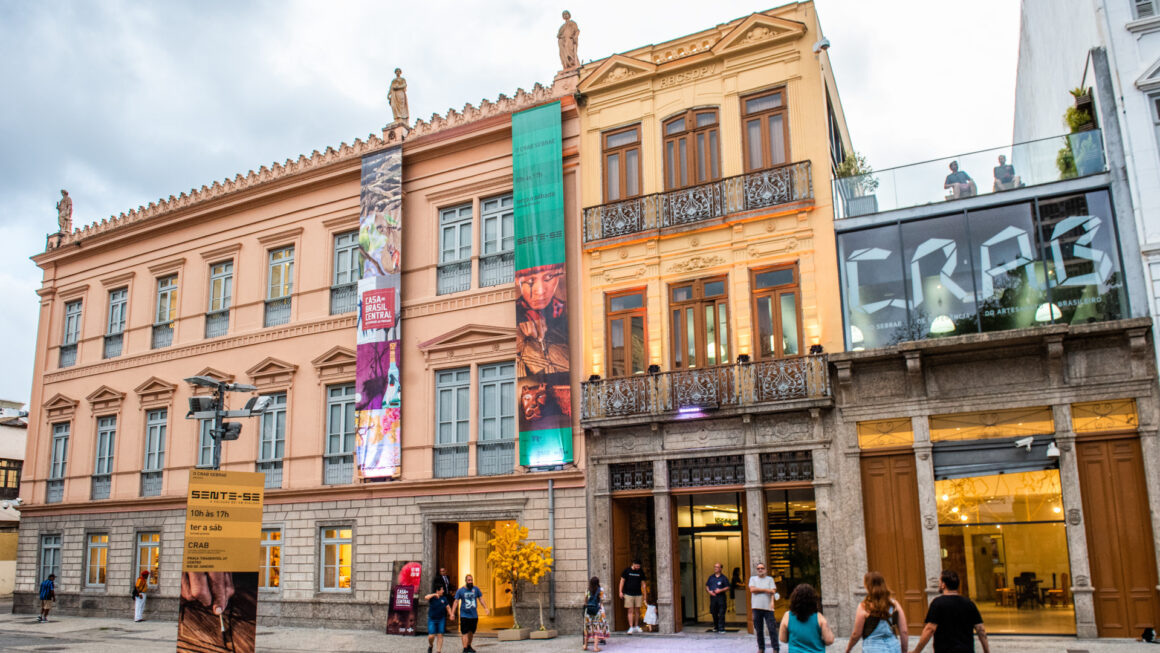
(252, 280)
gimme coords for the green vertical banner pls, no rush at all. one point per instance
(543, 378)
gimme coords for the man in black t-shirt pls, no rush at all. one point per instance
(633, 584)
(951, 619)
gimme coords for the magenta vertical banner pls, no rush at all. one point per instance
(378, 400)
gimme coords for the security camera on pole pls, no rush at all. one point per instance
(214, 408)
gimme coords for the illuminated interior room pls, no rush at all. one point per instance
(462, 547)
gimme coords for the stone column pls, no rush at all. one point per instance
(1082, 591)
(1146, 416)
(600, 521)
(927, 504)
(754, 515)
(852, 560)
(663, 532)
(828, 554)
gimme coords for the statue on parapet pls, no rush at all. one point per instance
(64, 212)
(397, 97)
(568, 37)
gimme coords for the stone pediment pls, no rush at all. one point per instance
(1150, 80)
(615, 70)
(60, 407)
(759, 29)
(470, 341)
(154, 390)
(214, 374)
(338, 362)
(272, 372)
(105, 399)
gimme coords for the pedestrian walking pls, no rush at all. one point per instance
(466, 599)
(762, 593)
(633, 588)
(951, 619)
(717, 585)
(140, 589)
(595, 621)
(47, 597)
(879, 621)
(802, 626)
(438, 612)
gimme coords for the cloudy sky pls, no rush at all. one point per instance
(125, 102)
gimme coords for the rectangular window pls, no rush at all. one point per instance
(452, 406)
(72, 334)
(336, 561)
(700, 323)
(281, 273)
(106, 441)
(271, 558)
(221, 295)
(454, 271)
(497, 418)
(49, 556)
(621, 157)
(340, 429)
(166, 312)
(777, 312)
(155, 425)
(347, 264)
(205, 444)
(60, 434)
(497, 257)
(765, 130)
(272, 441)
(115, 328)
(691, 149)
(625, 333)
(149, 556)
(1144, 8)
(10, 478)
(96, 560)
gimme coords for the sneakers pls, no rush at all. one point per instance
(634, 629)
(40, 619)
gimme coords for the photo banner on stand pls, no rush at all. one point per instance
(218, 608)
(544, 391)
(378, 401)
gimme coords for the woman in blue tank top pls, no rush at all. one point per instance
(880, 622)
(802, 626)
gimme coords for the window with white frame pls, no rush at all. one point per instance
(49, 556)
(336, 569)
(497, 418)
(166, 312)
(347, 266)
(205, 443)
(60, 434)
(96, 559)
(72, 334)
(115, 326)
(106, 441)
(454, 272)
(497, 245)
(155, 425)
(452, 421)
(273, 434)
(281, 273)
(340, 429)
(271, 559)
(149, 555)
(1144, 8)
(221, 286)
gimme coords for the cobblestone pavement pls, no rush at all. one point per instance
(19, 632)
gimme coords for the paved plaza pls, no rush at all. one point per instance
(21, 632)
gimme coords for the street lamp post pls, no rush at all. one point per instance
(214, 408)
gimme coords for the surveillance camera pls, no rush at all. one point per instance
(823, 44)
(1052, 450)
(1025, 442)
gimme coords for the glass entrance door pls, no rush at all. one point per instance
(710, 530)
(792, 524)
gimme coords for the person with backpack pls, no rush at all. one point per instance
(880, 621)
(47, 597)
(595, 623)
(139, 589)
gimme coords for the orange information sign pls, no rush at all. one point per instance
(223, 521)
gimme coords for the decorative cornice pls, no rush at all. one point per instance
(281, 237)
(337, 363)
(105, 399)
(220, 253)
(342, 221)
(173, 265)
(213, 374)
(697, 263)
(506, 293)
(74, 292)
(118, 279)
(205, 347)
(155, 391)
(271, 373)
(486, 109)
(60, 407)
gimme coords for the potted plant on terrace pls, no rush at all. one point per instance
(1082, 153)
(857, 184)
(517, 559)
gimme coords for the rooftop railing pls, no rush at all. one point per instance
(753, 190)
(977, 173)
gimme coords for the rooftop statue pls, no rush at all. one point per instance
(397, 97)
(569, 38)
(64, 212)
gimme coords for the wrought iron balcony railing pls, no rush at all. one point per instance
(688, 394)
(344, 298)
(68, 355)
(55, 491)
(451, 460)
(277, 312)
(496, 269)
(273, 471)
(217, 324)
(453, 277)
(102, 485)
(495, 457)
(338, 469)
(162, 335)
(113, 344)
(792, 182)
(151, 483)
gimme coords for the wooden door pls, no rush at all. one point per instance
(893, 529)
(447, 552)
(621, 559)
(1119, 536)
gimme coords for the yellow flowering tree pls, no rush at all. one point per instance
(516, 559)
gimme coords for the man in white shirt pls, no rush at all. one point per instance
(762, 593)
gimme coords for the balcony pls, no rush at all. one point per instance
(344, 298)
(338, 469)
(54, 492)
(217, 324)
(497, 269)
(277, 312)
(113, 344)
(1031, 163)
(68, 355)
(151, 484)
(273, 471)
(102, 485)
(450, 460)
(759, 387)
(648, 214)
(162, 335)
(453, 277)
(495, 457)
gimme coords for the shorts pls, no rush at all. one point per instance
(468, 625)
(46, 604)
(436, 626)
(631, 601)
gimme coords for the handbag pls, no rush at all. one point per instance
(650, 615)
